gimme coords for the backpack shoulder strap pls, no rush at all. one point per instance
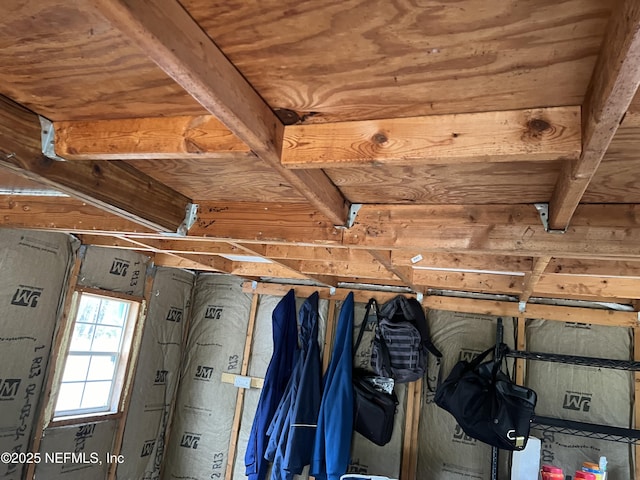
(415, 313)
(371, 304)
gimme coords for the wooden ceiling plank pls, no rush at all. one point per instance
(147, 138)
(177, 44)
(65, 214)
(614, 82)
(531, 278)
(114, 187)
(518, 135)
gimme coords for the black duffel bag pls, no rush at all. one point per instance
(486, 403)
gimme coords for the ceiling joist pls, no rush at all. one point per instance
(521, 135)
(613, 85)
(148, 138)
(114, 187)
(177, 44)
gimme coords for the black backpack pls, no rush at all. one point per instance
(402, 341)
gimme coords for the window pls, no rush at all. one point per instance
(96, 361)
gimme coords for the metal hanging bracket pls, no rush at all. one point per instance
(48, 138)
(190, 217)
(351, 218)
(543, 211)
(522, 306)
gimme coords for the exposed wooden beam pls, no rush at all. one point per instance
(194, 262)
(613, 85)
(322, 277)
(147, 138)
(372, 269)
(462, 261)
(177, 44)
(567, 286)
(467, 305)
(384, 258)
(543, 312)
(610, 268)
(598, 230)
(61, 213)
(531, 278)
(114, 187)
(535, 134)
(113, 242)
(265, 223)
(469, 282)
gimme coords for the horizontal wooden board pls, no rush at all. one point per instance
(65, 62)
(486, 137)
(523, 182)
(364, 59)
(584, 286)
(208, 179)
(261, 222)
(64, 213)
(147, 138)
(462, 261)
(468, 305)
(469, 282)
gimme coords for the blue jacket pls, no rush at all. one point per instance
(285, 352)
(332, 448)
(292, 430)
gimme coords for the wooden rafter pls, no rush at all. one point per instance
(531, 278)
(384, 258)
(177, 44)
(613, 85)
(114, 187)
(532, 135)
(143, 138)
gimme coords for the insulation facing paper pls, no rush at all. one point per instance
(445, 452)
(35, 267)
(201, 428)
(115, 270)
(157, 373)
(86, 448)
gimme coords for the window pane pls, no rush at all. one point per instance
(96, 394)
(82, 336)
(69, 396)
(106, 339)
(113, 312)
(88, 309)
(102, 367)
(76, 368)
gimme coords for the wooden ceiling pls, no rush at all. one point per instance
(446, 120)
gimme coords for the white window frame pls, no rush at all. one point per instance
(136, 307)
